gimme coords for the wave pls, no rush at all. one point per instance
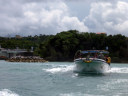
(119, 70)
(60, 68)
(6, 92)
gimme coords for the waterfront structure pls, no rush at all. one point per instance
(101, 33)
(8, 53)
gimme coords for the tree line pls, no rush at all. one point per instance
(23, 42)
(63, 45)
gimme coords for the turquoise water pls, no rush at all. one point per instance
(58, 79)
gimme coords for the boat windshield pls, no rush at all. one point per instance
(101, 54)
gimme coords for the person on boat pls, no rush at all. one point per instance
(78, 55)
(88, 56)
(96, 55)
(101, 56)
(108, 60)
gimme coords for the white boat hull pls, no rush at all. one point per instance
(95, 66)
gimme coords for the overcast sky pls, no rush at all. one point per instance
(34, 17)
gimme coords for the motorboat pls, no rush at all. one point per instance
(92, 61)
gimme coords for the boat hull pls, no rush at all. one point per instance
(93, 66)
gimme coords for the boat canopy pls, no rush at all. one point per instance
(94, 51)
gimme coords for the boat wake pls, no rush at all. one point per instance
(119, 70)
(6, 92)
(58, 69)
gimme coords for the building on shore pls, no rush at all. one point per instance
(18, 37)
(8, 53)
(99, 33)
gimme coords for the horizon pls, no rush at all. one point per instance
(19, 36)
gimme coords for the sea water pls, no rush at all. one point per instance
(58, 79)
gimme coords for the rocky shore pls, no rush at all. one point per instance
(26, 59)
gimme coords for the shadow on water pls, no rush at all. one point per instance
(91, 74)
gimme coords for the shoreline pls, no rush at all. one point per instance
(26, 59)
(36, 61)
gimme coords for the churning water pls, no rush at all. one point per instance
(58, 79)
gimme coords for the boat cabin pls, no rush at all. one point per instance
(101, 54)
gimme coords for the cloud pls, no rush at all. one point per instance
(33, 17)
(108, 17)
(73, 23)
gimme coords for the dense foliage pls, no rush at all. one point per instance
(62, 46)
(23, 42)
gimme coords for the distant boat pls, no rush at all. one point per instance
(92, 61)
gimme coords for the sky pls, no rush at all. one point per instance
(34, 17)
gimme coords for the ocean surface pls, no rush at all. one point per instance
(58, 79)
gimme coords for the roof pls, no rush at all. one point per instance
(100, 33)
(94, 51)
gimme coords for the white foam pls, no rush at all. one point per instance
(59, 69)
(119, 70)
(78, 94)
(6, 92)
